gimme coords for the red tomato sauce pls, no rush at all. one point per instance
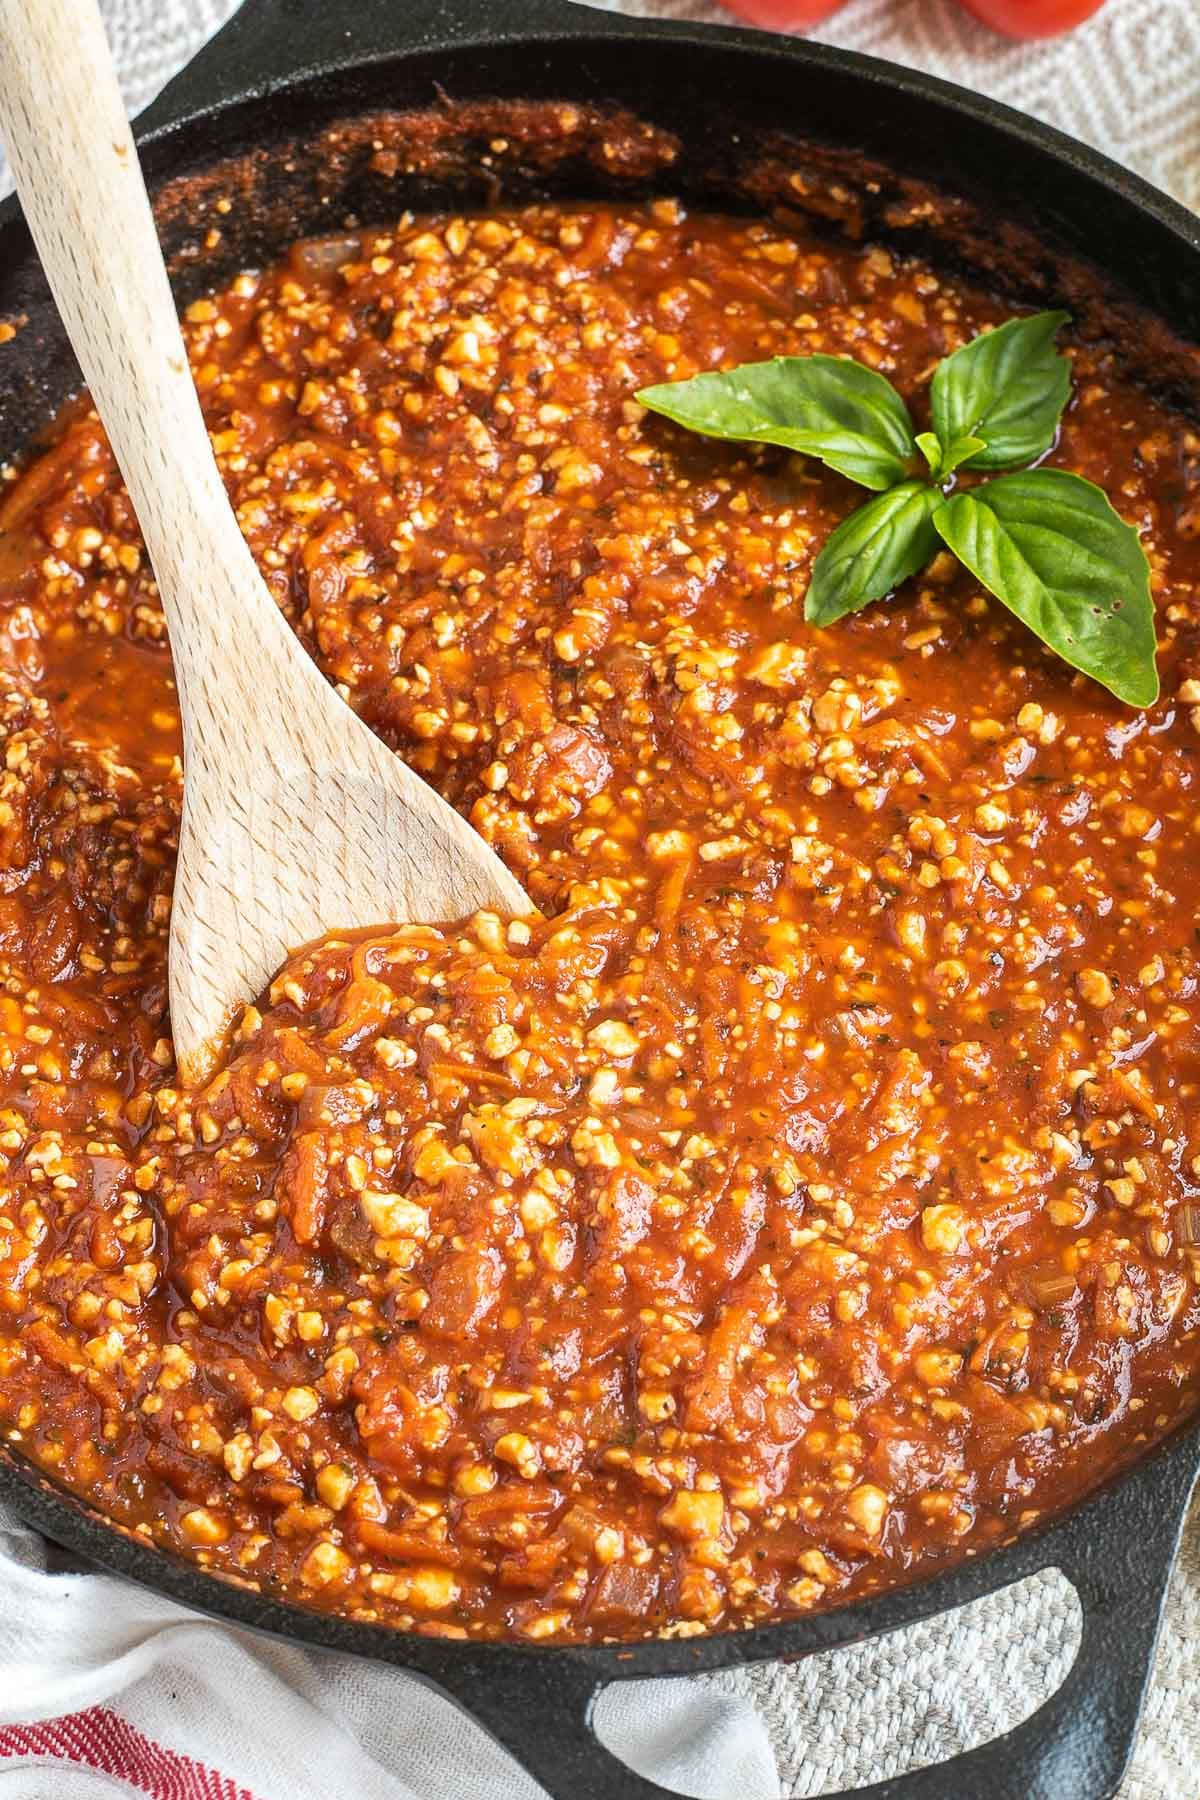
(810, 1197)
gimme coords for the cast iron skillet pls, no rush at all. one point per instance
(262, 93)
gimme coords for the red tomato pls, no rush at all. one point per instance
(784, 15)
(1032, 18)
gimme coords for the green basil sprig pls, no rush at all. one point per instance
(1045, 542)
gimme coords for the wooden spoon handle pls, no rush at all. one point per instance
(295, 818)
(69, 143)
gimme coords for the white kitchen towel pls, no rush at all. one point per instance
(105, 1690)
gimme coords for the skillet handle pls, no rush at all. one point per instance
(1118, 1553)
(1118, 1556)
(542, 1715)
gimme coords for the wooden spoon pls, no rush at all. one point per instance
(296, 819)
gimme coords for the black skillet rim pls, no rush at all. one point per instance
(231, 71)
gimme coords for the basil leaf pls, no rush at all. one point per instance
(873, 551)
(823, 406)
(942, 460)
(1008, 387)
(929, 446)
(1049, 545)
(961, 451)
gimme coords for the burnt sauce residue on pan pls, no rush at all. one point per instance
(807, 1201)
(483, 153)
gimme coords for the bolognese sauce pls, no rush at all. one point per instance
(811, 1195)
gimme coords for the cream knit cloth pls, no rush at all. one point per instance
(1128, 82)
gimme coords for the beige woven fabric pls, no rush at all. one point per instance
(1128, 82)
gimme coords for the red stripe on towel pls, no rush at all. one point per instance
(103, 1740)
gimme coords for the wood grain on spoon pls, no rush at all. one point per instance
(296, 819)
